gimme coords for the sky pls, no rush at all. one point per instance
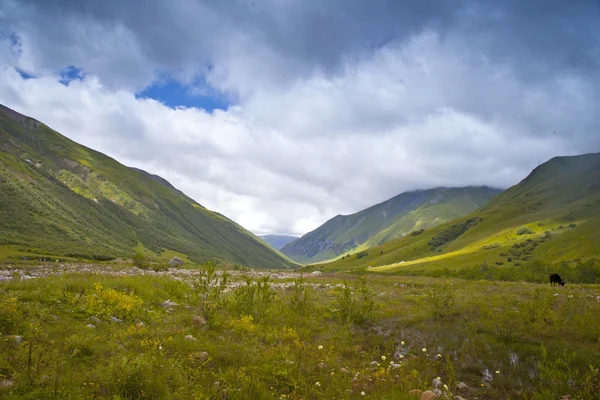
(281, 114)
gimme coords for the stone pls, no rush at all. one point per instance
(175, 262)
(140, 324)
(115, 319)
(199, 320)
(428, 395)
(343, 370)
(190, 337)
(91, 326)
(315, 273)
(6, 383)
(18, 339)
(168, 304)
(201, 356)
(436, 383)
(462, 386)
(95, 319)
(459, 398)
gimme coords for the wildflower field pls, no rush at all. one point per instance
(124, 333)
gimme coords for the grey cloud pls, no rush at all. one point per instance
(341, 104)
(296, 37)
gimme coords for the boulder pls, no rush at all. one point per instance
(201, 356)
(115, 319)
(91, 326)
(190, 337)
(168, 304)
(428, 395)
(199, 320)
(175, 262)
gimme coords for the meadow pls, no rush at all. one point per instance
(117, 332)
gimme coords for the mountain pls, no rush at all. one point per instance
(59, 198)
(278, 241)
(552, 216)
(394, 218)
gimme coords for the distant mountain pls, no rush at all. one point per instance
(394, 218)
(278, 241)
(62, 199)
(551, 216)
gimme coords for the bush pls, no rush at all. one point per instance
(255, 298)
(453, 232)
(139, 259)
(355, 307)
(300, 299)
(524, 231)
(441, 300)
(209, 290)
(361, 255)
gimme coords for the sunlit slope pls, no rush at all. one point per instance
(386, 221)
(553, 215)
(60, 198)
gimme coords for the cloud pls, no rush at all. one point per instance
(335, 106)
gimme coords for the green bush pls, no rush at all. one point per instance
(441, 300)
(139, 259)
(355, 307)
(524, 231)
(453, 232)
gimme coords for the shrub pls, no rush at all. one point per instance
(355, 307)
(254, 298)
(361, 255)
(524, 231)
(453, 232)
(209, 290)
(441, 300)
(300, 299)
(109, 302)
(139, 259)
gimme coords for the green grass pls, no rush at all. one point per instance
(63, 199)
(320, 341)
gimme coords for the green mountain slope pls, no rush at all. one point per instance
(60, 198)
(391, 219)
(552, 216)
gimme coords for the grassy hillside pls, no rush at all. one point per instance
(58, 198)
(386, 221)
(551, 217)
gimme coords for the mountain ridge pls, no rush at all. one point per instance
(59, 197)
(387, 220)
(550, 216)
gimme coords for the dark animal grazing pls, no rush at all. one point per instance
(555, 278)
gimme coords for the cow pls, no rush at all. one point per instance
(555, 278)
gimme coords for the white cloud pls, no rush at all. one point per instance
(310, 137)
